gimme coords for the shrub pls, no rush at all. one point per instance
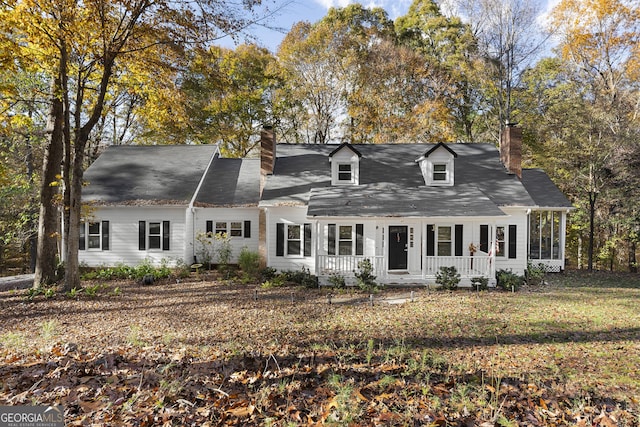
(480, 283)
(302, 277)
(337, 280)
(534, 274)
(249, 262)
(182, 270)
(204, 251)
(223, 250)
(508, 280)
(268, 273)
(275, 282)
(364, 275)
(448, 278)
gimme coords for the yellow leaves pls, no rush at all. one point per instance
(593, 29)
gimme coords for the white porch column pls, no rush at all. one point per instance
(189, 235)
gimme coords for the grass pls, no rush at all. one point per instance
(561, 351)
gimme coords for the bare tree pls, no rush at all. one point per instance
(509, 40)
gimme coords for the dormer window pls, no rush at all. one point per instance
(440, 172)
(345, 173)
(345, 165)
(437, 166)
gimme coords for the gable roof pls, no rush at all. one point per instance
(435, 147)
(301, 168)
(349, 146)
(230, 182)
(147, 175)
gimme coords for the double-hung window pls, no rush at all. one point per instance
(500, 241)
(221, 227)
(444, 241)
(506, 241)
(293, 240)
(94, 235)
(230, 228)
(154, 235)
(345, 239)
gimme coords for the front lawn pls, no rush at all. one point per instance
(218, 353)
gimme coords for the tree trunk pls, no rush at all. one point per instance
(33, 206)
(592, 215)
(633, 263)
(72, 271)
(46, 260)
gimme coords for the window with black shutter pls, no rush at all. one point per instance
(513, 233)
(279, 239)
(458, 240)
(484, 238)
(307, 240)
(105, 235)
(165, 235)
(359, 239)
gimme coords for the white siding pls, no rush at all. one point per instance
(202, 215)
(289, 215)
(123, 236)
(517, 217)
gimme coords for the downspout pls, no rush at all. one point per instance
(191, 210)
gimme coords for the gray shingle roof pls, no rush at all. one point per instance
(155, 175)
(481, 181)
(390, 200)
(391, 183)
(543, 191)
(231, 182)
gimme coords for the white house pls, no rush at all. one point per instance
(408, 208)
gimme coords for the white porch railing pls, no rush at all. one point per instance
(467, 266)
(347, 264)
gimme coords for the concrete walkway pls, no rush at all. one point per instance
(23, 281)
(400, 298)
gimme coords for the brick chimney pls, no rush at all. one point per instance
(267, 153)
(511, 148)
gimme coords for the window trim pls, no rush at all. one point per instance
(501, 244)
(438, 241)
(289, 240)
(443, 173)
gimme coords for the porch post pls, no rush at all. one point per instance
(423, 242)
(319, 236)
(563, 235)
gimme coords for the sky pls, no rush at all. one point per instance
(292, 11)
(308, 10)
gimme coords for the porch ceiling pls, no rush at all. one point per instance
(395, 201)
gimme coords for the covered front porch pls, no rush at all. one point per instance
(407, 251)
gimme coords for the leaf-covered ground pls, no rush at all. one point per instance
(206, 352)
